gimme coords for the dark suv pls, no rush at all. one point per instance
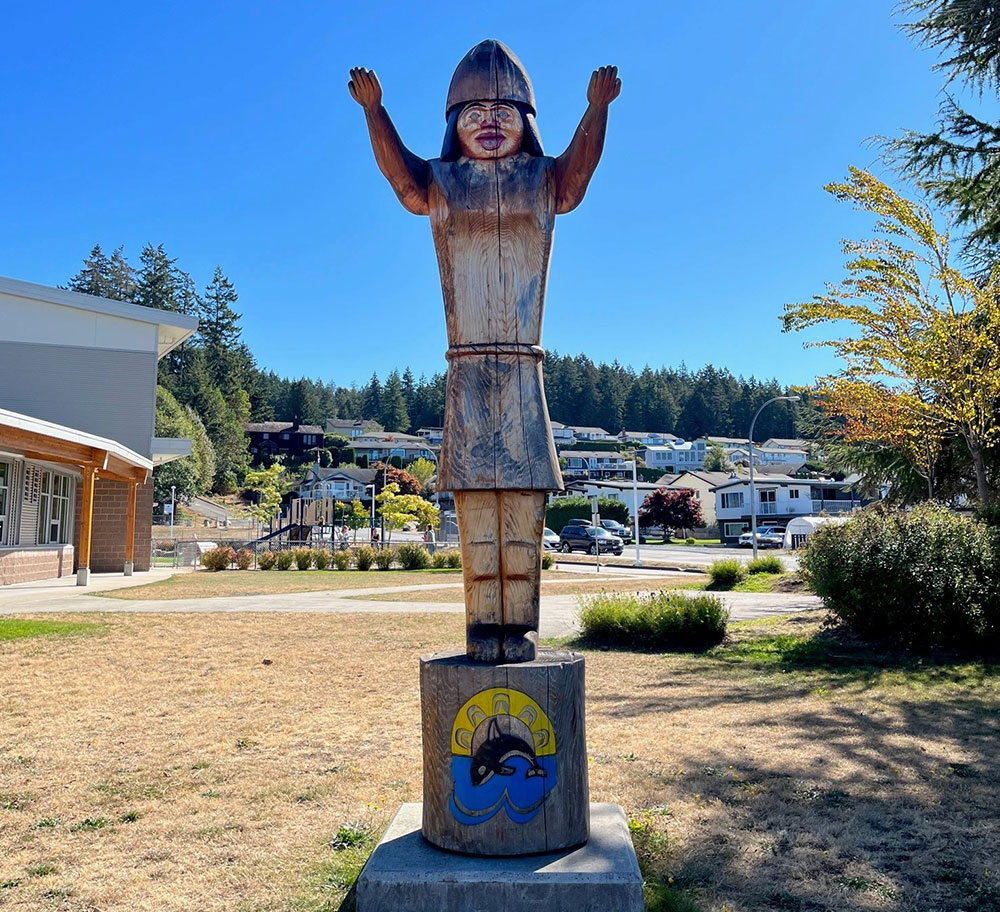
(588, 538)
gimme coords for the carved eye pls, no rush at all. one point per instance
(475, 116)
(503, 114)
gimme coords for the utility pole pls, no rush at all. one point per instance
(753, 493)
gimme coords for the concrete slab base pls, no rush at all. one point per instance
(407, 874)
(83, 576)
(129, 567)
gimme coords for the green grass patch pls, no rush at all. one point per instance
(801, 649)
(660, 620)
(331, 887)
(22, 628)
(756, 582)
(662, 893)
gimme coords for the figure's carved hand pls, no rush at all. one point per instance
(365, 88)
(604, 86)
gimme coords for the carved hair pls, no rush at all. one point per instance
(451, 149)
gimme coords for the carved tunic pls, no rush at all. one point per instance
(492, 224)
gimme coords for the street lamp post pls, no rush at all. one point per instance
(635, 511)
(372, 488)
(753, 492)
(173, 507)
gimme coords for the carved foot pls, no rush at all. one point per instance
(483, 643)
(520, 644)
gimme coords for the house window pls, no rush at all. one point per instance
(793, 494)
(732, 501)
(4, 498)
(266, 436)
(733, 530)
(53, 509)
(284, 436)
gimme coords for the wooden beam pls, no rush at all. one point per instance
(130, 529)
(86, 526)
(50, 448)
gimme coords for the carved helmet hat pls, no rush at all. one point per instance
(490, 72)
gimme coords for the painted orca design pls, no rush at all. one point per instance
(490, 758)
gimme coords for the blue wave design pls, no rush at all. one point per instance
(521, 795)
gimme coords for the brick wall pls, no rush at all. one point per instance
(107, 544)
(21, 565)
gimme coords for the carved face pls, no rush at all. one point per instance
(488, 130)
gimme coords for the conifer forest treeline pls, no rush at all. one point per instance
(211, 386)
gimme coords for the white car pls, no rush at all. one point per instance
(550, 541)
(767, 537)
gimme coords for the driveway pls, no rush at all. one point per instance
(558, 614)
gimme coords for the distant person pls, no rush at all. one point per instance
(375, 541)
(429, 539)
(344, 538)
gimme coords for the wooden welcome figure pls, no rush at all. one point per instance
(492, 198)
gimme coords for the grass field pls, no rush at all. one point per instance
(245, 762)
(554, 584)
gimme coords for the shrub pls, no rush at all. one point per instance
(244, 559)
(342, 560)
(218, 558)
(454, 559)
(924, 579)
(303, 558)
(439, 560)
(660, 620)
(364, 557)
(689, 540)
(267, 560)
(412, 556)
(321, 558)
(769, 564)
(284, 560)
(384, 558)
(726, 573)
(548, 561)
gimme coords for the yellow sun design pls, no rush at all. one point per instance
(499, 701)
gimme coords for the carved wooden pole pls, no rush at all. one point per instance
(492, 735)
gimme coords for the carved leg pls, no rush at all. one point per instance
(479, 534)
(522, 522)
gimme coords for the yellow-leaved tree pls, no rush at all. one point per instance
(921, 343)
(399, 509)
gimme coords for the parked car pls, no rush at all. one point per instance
(648, 533)
(767, 537)
(575, 537)
(550, 541)
(616, 528)
(578, 522)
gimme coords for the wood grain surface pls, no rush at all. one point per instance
(555, 682)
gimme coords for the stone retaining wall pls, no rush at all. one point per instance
(21, 565)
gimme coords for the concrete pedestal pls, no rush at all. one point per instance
(83, 576)
(407, 874)
(129, 567)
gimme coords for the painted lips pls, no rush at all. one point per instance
(490, 141)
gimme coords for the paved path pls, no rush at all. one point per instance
(559, 612)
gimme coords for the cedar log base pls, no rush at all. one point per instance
(505, 755)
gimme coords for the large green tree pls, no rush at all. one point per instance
(959, 162)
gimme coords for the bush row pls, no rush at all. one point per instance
(923, 579)
(408, 556)
(727, 573)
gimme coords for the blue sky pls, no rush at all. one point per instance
(225, 132)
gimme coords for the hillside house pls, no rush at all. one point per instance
(381, 446)
(595, 464)
(675, 456)
(351, 427)
(288, 439)
(615, 490)
(344, 483)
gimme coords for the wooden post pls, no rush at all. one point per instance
(505, 756)
(86, 526)
(133, 487)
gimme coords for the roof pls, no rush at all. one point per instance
(593, 454)
(781, 480)
(711, 478)
(617, 485)
(737, 441)
(363, 423)
(794, 443)
(589, 430)
(662, 436)
(364, 476)
(116, 452)
(173, 328)
(390, 436)
(274, 427)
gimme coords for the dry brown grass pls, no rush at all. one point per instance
(557, 584)
(205, 584)
(776, 786)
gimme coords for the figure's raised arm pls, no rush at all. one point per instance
(406, 172)
(576, 166)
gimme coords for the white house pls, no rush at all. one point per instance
(433, 435)
(676, 456)
(594, 464)
(351, 427)
(591, 433)
(342, 483)
(646, 438)
(615, 490)
(769, 459)
(562, 434)
(383, 445)
(703, 484)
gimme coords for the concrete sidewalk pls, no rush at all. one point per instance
(559, 613)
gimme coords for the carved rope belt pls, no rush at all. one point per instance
(496, 348)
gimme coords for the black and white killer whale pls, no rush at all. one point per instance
(492, 755)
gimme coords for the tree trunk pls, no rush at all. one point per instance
(979, 464)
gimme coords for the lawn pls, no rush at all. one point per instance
(19, 628)
(243, 762)
(205, 584)
(554, 584)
